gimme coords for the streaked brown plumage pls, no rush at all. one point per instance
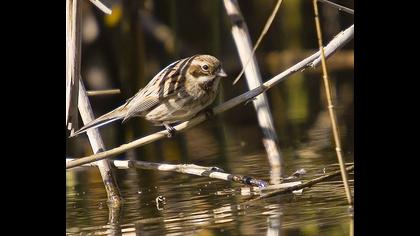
(177, 93)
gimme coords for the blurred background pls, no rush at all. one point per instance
(126, 49)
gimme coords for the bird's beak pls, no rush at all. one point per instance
(221, 73)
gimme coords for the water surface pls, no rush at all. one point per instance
(202, 206)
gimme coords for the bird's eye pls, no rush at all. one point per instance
(205, 67)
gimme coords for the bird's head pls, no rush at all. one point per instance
(205, 68)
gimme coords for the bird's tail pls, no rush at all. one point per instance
(109, 117)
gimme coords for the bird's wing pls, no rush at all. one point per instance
(164, 85)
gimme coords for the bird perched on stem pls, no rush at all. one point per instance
(177, 93)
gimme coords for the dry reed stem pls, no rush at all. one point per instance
(331, 110)
(211, 172)
(73, 53)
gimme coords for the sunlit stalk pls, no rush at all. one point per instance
(331, 110)
(211, 172)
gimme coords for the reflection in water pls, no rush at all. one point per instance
(351, 225)
(274, 225)
(114, 220)
(198, 204)
(275, 176)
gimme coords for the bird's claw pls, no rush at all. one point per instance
(215, 168)
(171, 131)
(250, 100)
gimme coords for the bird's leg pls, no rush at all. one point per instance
(170, 129)
(209, 112)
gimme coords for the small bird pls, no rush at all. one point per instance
(177, 93)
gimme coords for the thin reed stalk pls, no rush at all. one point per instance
(95, 139)
(331, 109)
(243, 44)
(340, 40)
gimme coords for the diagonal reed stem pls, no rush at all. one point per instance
(341, 39)
(243, 44)
(97, 144)
(102, 6)
(296, 187)
(339, 7)
(331, 110)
